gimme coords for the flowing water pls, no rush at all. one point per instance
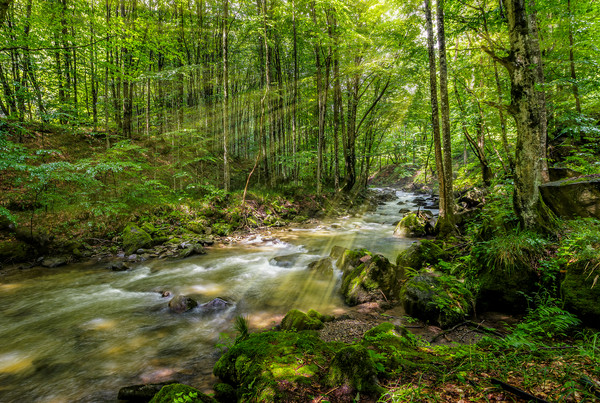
(78, 334)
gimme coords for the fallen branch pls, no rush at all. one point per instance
(517, 392)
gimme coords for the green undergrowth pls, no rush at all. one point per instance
(546, 355)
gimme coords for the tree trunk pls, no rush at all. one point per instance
(445, 224)
(226, 178)
(435, 117)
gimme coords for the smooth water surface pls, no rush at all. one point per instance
(78, 334)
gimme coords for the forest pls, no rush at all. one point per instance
(371, 200)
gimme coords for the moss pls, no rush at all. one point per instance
(352, 366)
(412, 225)
(262, 365)
(221, 229)
(298, 320)
(15, 251)
(135, 238)
(350, 259)
(170, 394)
(437, 299)
(420, 253)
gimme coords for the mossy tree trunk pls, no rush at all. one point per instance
(528, 110)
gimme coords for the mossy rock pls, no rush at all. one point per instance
(351, 259)
(266, 366)
(225, 392)
(149, 228)
(196, 227)
(171, 393)
(337, 252)
(15, 251)
(436, 298)
(296, 320)
(353, 367)
(221, 229)
(581, 292)
(505, 290)
(322, 267)
(135, 238)
(420, 253)
(413, 225)
(372, 278)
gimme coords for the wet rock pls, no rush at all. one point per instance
(189, 249)
(181, 303)
(285, 261)
(56, 261)
(296, 320)
(217, 304)
(141, 393)
(420, 253)
(441, 300)
(404, 210)
(375, 278)
(323, 267)
(350, 259)
(135, 238)
(337, 252)
(118, 266)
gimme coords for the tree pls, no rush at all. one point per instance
(528, 110)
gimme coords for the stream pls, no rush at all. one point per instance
(81, 332)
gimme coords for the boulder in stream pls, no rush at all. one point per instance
(56, 261)
(285, 261)
(217, 304)
(118, 266)
(322, 267)
(181, 303)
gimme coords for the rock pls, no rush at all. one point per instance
(472, 198)
(197, 227)
(56, 261)
(557, 173)
(503, 290)
(437, 299)
(285, 261)
(266, 365)
(371, 280)
(149, 228)
(352, 367)
(351, 259)
(413, 225)
(225, 392)
(581, 291)
(337, 252)
(181, 303)
(141, 393)
(217, 304)
(118, 266)
(296, 320)
(177, 392)
(571, 198)
(189, 249)
(404, 210)
(419, 253)
(322, 267)
(135, 238)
